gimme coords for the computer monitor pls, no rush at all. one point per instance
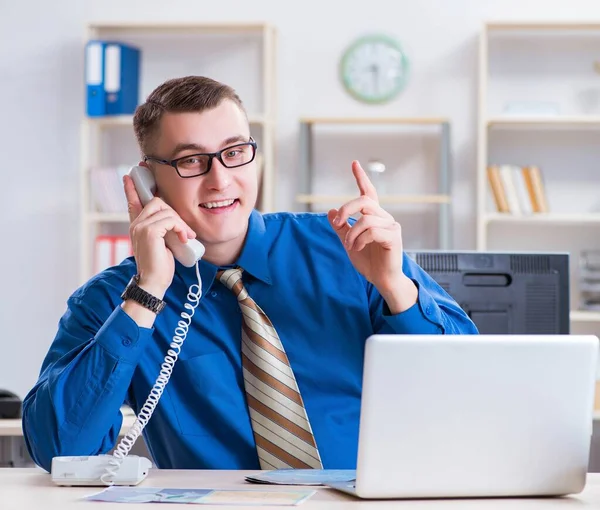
(503, 292)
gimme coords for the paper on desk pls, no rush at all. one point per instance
(200, 496)
(303, 476)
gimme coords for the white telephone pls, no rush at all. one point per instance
(187, 253)
(119, 469)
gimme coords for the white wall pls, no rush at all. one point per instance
(41, 63)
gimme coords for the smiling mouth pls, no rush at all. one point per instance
(219, 204)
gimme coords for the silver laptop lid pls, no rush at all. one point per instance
(476, 415)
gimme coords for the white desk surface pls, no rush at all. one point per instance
(29, 488)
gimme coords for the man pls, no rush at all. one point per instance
(270, 372)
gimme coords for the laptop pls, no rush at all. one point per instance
(475, 416)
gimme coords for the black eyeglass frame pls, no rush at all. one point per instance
(211, 156)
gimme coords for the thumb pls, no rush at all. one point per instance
(134, 205)
(342, 230)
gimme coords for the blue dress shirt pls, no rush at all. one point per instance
(298, 272)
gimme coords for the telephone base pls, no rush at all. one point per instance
(88, 470)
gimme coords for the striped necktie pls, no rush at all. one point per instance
(282, 432)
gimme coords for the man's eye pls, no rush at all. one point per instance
(232, 153)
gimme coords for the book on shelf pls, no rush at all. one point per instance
(110, 250)
(517, 190)
(106, 186)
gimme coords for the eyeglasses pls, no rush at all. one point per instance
(194, 165)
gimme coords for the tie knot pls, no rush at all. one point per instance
(232, 279)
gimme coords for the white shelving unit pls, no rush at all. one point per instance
(313, 164)
(552, 63)
(223, 51)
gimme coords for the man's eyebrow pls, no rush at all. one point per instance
(180, 147)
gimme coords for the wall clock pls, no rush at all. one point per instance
(374, 69)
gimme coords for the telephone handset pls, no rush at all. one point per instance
(118, 468)
(187, 253)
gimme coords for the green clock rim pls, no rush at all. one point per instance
(374, 38)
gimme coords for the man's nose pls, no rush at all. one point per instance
(219, 177)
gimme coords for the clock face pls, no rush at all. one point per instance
(374, 69)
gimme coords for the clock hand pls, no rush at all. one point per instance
(375, 71)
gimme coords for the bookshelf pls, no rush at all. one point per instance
(384, 138)
(168, 50)
(525, 67)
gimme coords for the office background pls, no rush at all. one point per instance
(43, 103)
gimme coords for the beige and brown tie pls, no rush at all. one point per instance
(282, 432)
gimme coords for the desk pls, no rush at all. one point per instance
(26, 489)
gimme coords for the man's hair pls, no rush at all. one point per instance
(189, 94)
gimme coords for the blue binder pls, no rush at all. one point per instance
(94, 79)
(121, 78)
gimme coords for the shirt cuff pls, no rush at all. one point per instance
(424, 317)
(122, 338)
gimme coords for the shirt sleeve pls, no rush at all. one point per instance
(435, 311)
(74, 407)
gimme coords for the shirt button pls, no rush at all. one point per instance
(428, 310)
(126, 342)
(213, 293)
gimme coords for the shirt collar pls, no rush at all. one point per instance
(253, 259)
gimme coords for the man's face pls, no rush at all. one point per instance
(204, 202)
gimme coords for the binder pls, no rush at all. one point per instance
(94, 79)
(122, 248)
(103, 256)
(111, 250)
(121, 78)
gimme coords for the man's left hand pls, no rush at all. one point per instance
(374, 244)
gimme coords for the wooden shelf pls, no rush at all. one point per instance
(542, 25)
(584, 316)
(108, 218)
(374, 120)
(546, 121)
(384, 199)
(543, 218)
(110, 121)
(127, 120)
(178, 27)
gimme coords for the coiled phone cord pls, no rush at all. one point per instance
(125, 445)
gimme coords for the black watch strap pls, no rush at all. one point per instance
(139, 295)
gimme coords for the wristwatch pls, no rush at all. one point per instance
(139, 295)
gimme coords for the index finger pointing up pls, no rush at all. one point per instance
(364, 183)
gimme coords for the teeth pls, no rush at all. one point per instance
(223, 203)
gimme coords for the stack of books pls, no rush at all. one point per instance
(517, 190)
